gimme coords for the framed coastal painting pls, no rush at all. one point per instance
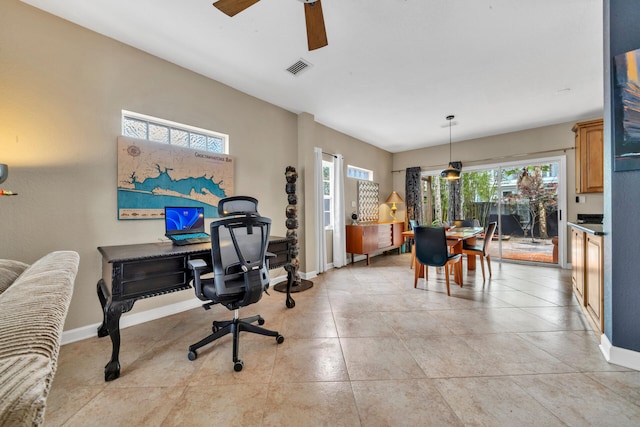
(626, 111)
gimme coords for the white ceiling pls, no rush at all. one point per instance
(393, 69)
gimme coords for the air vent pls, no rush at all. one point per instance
(298, 67)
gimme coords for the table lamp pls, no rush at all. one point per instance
(392, 200)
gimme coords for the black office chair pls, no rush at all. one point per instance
(432, 250)
(240, 271)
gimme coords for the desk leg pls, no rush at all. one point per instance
(102, 329)
(290, 269)
(111, 326)
(113, 313)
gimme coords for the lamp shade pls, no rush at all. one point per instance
(450, 173)
(394, 198)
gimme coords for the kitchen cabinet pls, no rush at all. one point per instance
(587, 272)
(594, 279)
(371, 238)
(589, 156)
(577, 264)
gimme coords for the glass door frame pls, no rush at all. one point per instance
(561, 160)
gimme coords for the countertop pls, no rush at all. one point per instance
(595, 229)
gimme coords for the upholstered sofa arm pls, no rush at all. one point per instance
(33, 308)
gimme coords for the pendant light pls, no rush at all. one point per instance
(450, 173)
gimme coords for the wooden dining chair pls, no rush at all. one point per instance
(483, 251)
(431, 250)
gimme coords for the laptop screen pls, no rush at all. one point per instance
(182, 219)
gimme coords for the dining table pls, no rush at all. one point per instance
(455, 238)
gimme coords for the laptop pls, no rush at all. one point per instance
(184, 225)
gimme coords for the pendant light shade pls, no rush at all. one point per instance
(450, 173)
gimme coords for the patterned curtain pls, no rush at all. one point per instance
(413, 194)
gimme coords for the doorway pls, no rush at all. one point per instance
(527, 199)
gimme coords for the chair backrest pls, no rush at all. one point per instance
(412, 224)
(462, 223)
(238, 205)
(488, 236)
(431, 245)
(238, 248)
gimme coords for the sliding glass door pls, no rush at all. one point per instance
(526, 199)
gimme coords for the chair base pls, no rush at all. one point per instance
(235, 326)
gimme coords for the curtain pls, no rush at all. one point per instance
(339, 238)
(321, 250)
(413, 194)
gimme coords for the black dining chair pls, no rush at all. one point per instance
(483, 251)
(431, 250)
(462, 223)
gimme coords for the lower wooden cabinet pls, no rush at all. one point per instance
(594, 279)
(577, 264)
(587, 276)
(371, 238)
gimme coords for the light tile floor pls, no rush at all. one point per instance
(364, 348)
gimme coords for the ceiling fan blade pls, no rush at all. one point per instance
(316, 32)
(233, 7)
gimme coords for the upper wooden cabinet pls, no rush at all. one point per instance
(589, 156)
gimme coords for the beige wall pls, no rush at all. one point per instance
(62, 89)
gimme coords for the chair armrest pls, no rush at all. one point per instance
(267, 257)
(199, 268)
(197, 264)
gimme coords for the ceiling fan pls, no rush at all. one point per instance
(316, 32)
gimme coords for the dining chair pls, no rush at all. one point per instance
(431, 249)
(483, 251)
(412, 225)
(462, 223)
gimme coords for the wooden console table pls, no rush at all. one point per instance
(370, 238)
(133, 272)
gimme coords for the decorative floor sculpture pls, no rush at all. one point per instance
(291, 223)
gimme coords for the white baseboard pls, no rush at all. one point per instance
(309, 275)
(619, 356)
(132, 319)
(90, 331)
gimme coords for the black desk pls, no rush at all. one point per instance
(133, 272)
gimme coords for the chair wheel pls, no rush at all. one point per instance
(279, 339)
(192, 355)
(237, 366)
(261, 321)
